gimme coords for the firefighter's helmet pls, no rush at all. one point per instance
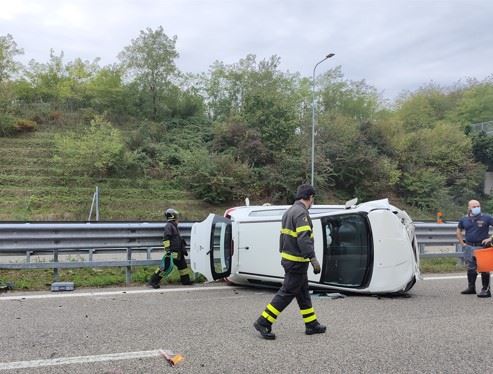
(171, 214)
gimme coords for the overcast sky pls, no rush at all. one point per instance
(394, 45)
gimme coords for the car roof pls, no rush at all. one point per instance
(275, 212)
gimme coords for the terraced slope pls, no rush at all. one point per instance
(31, 190)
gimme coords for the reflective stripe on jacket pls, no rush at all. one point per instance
(296, 240)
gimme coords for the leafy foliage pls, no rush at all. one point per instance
(483, 149)
(99, 151)
(7, 125)
(8, 52)
(149, 61)
(244, 129)
(216, 178)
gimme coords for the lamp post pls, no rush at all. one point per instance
(313, 114)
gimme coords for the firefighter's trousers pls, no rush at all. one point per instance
(295, 285)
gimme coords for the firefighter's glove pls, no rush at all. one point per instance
(316, 265)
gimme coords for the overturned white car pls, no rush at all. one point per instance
(368, 248)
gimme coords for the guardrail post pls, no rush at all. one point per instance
(148, 251)
(56, 275)
(28, 256)
(128, 270)
(91, 252)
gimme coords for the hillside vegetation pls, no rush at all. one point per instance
(34, 189)
(150, 137)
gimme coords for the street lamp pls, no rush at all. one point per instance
(313, 114)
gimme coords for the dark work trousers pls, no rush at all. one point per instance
(472, 267)
(181, 264)
(295, 285)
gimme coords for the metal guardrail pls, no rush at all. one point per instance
(92, 238)
(430, 234)
(82, 238)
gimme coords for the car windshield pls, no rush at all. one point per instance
(348, 250)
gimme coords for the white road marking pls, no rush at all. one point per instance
(113, 293)
(445, 277)
(182, 289)
(77, 360)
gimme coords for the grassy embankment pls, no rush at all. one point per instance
(32, 190)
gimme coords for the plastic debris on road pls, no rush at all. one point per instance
(173, 359)
(334, 295)
(62, 286)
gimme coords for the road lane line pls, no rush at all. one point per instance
(182, 289)
(445, 277)
(114, 293)
(77, 360)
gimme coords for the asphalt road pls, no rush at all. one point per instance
(436, 330)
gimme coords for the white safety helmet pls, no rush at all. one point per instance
(171, 214)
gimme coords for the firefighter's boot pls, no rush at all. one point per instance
(315, 328)
(185, 280)
(155, 279)
(471, 283)
(485, 280)
(264, 329)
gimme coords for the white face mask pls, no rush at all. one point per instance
(475, 211)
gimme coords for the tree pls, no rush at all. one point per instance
(48, 79)
(482, 148)
(258, 95)
(8, 51)
(355, 100)
(426, 106)
(106, 91)
(477, 102)
(150, 61)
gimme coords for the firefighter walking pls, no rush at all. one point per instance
(297, 251)
(174, 252)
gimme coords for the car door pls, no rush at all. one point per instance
(211, 247)
(258, 246)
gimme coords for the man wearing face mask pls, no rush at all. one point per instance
(476, 227)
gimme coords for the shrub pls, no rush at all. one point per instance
(55, 116)
(38, 119)
(216, 178)
(7, 125)
(98, 152)
(423, 188)
(25, 125)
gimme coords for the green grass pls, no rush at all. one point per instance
(39, 280)
(441, 265)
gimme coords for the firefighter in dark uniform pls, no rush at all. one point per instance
(174, 252)
(297, 251)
